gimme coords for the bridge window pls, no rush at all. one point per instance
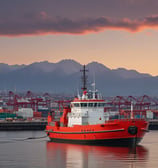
(83, 104)
(95, 104)
(90, 104)
(76, 104)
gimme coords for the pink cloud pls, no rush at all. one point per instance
(43, 24)
(44, 15)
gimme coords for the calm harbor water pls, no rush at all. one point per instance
(31, 149)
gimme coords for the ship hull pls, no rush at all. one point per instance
(102, 142)
(112, 133)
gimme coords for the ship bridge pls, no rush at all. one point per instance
(86, 112)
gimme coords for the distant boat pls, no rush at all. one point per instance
(86, 122)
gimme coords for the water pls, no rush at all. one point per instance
(31, 149)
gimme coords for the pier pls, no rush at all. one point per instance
(23, 126)
(153, 124)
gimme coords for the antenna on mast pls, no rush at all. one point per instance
(84, 78)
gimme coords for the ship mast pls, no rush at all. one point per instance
(84, 78)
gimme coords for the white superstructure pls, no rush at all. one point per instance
(87, 110)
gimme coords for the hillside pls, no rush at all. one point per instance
(65, 77)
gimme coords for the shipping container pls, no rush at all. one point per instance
(7, 115)
(37, 114)
(25, 112)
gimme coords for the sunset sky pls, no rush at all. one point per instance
(116, 33)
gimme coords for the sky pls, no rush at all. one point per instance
(116, 33)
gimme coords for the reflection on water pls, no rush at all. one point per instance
(28, 150)
(84, 156)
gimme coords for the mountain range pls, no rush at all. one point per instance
(65, 77)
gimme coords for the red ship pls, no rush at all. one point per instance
(86, 122)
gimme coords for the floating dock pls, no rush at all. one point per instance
(23, 125)
(153, 124)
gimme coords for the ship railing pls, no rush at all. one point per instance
(119, 116)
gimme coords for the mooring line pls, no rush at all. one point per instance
(29, 138)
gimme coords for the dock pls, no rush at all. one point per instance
(41, 125)
(153, 124)
(23, 126)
